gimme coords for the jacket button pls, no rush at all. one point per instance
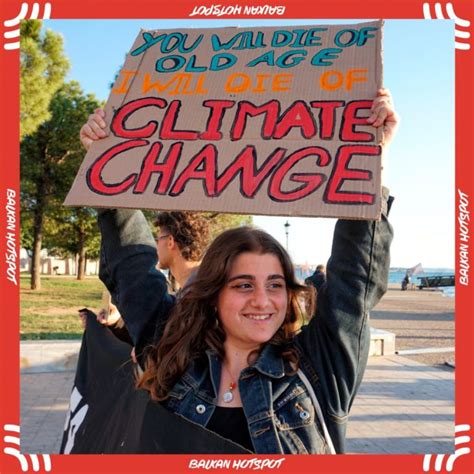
(304, 415)
(200, 409)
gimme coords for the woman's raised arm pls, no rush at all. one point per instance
(128, 261)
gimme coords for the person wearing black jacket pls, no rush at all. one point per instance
(318, 278)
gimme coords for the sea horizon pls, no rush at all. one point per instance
(396, 275)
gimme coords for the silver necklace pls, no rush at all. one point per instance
(228, 394)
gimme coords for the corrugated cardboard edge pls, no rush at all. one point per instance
(379, 131)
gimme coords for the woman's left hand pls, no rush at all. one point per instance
(383, 114)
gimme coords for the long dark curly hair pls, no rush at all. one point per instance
(193, 325)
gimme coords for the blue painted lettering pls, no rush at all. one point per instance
(323, 57)
(285, 60)
(242, 40)
(177, 62)
(169, 42)
(222, 61)
(350, 37)
(297, 38)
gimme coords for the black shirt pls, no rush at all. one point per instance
(230, 423)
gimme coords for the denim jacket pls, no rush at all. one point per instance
(333, 347)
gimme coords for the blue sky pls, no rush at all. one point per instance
(419, 71)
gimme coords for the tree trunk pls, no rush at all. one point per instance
(37, 240)
(81, 267)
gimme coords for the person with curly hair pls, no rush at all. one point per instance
(181, 241)
(232, 354)
(182, 238)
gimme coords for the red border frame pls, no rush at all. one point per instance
(9, 179)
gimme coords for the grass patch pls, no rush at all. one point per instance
(51, 313)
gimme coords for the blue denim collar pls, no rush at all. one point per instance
(215, 367)
(269, 363)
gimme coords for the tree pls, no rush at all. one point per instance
(73, 232)
(43, 67)
(49, 159)
(220, 222)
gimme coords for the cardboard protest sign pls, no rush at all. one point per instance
(245, 120)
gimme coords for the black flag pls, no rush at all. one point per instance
(108, 415)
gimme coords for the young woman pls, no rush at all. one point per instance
(232, 354)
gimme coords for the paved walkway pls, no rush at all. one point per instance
(43, 409)
(402, 407)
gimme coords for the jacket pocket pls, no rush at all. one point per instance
(294, 410)
(296, 421)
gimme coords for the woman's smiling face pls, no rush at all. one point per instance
(253, 303)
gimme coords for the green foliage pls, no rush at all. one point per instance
(53, 153)
(220, 222)
(68, 230)
(43, 67)
(26, 230)
(49, 159)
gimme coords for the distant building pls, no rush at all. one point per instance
(51, 265)
(302, 271)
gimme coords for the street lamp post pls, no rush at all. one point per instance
(287, 231)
